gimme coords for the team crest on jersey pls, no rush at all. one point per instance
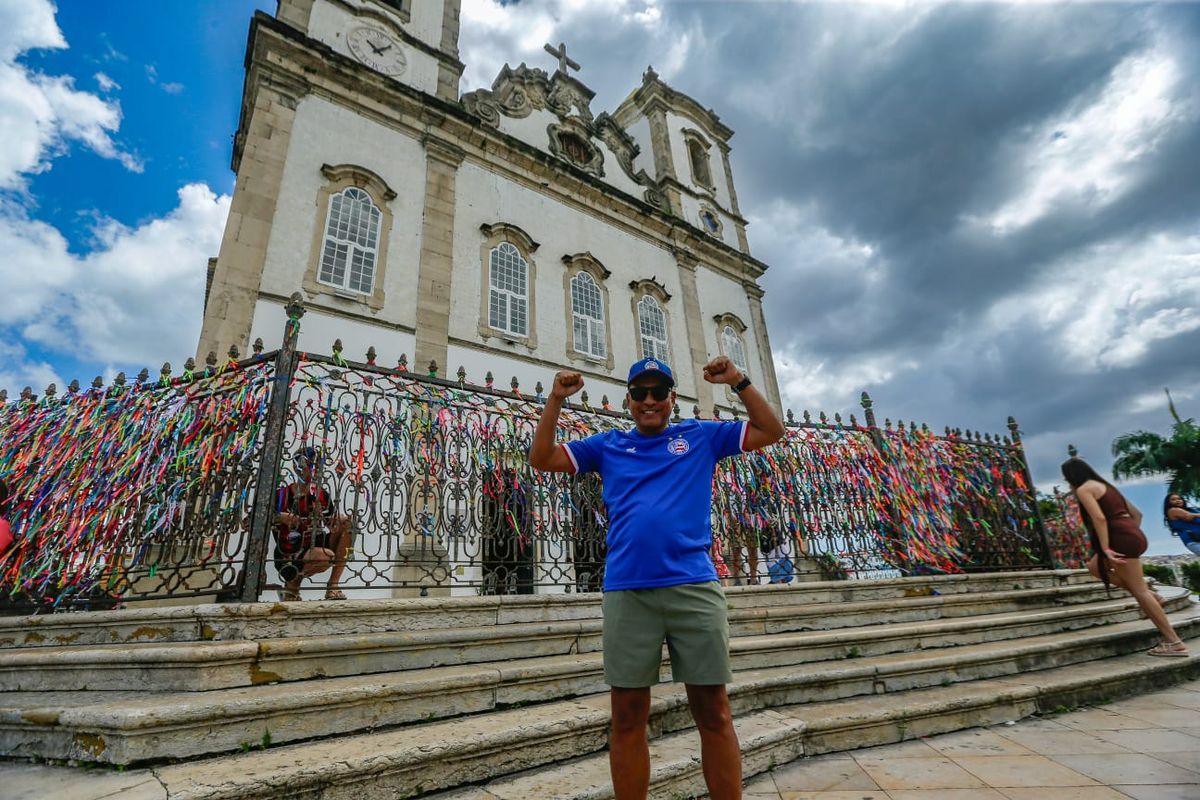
(678, 446)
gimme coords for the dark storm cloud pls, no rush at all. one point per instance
(872, 147)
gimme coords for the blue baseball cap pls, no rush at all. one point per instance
(651, 366)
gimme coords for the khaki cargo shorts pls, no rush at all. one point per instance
(691, 617)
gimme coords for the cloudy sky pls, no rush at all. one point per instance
(970, 210)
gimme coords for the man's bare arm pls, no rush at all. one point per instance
(545, 453)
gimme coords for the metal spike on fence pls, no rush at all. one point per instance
(164, 374)
(539, 390)
(837, 417)
(488, 380)
(912, 426)
(735, 414)
(514, 385)
(676, 416)
(461, 374)
(142, 376)
(1007, 441)
(900, 425)
(583, 398)
(257, 346)
(433, 368)
(210, 362)
(234, 353)
(3, 396)
(625, 403)
(924, 428)
(27, 392)
(1071, 451)
(73, 387)
(853, 420)
(807, 416)
(97, 382)
(119, 381)
(371, 355)
(824, 419)
(50, 391)
(402, 363)
(716, 413)
(790, 417)
(604, 402)
(887, 423)
(696, 412)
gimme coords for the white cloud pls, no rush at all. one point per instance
(1089, 157)
(1109, 306)
(41, 114)
(135, 299)
(106, 83)
(18, 371)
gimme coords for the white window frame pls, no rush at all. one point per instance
(515, 303)
(660, 348)
(593, 325)
(356, 238)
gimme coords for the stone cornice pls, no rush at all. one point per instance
(278, 53)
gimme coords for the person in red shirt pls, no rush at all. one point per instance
(310, 536)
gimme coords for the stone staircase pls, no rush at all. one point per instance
(503, 697)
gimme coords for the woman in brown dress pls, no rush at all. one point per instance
(1114, 527)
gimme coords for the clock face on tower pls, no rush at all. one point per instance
(377, 50)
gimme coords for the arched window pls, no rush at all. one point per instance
(587, 316)
(351, 243)
(508, 294)
(734, 349)
(697, 149)
(652, 325)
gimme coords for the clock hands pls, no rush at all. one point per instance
(379, 50)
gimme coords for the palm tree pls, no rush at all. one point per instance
(1144, 453)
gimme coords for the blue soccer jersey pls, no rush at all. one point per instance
(658, 493)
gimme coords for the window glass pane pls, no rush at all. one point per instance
(508, 273)
(351, 238)
(734, 349)
(497, 309)
(653, 327)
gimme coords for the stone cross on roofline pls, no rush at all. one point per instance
(564, 61)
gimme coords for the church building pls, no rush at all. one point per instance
(513, 230)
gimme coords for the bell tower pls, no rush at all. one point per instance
(412, 41)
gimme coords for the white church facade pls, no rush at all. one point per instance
(513, 230)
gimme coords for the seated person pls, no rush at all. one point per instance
(1184, 522)
(309, 536)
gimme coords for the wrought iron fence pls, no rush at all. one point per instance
(149, 490)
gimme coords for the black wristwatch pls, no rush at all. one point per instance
(742, 385)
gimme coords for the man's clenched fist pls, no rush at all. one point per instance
(566, 383)
(722, 370)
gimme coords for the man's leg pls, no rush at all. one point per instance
(720, 754)
(628, 749)
(339, 543)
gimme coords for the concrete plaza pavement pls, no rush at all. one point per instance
(1145, 747)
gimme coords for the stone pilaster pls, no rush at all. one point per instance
(437, 252)
(769, 385)
(695, 330)
(238, 275)
(448, 75)
(664, 160)
(739, 228)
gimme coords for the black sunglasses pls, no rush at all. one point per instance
(660, 391)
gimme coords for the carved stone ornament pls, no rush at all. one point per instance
(517, 93)
(571, 142)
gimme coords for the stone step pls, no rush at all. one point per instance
(201, 666)
(227, 622)
(120, 729)
(557, 750)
